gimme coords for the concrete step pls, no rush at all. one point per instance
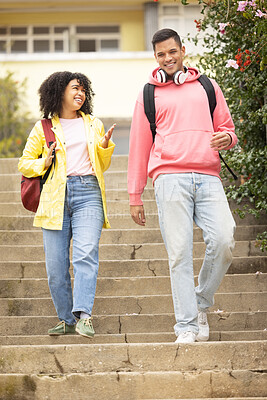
(119, 207)
(135, 323)
(129, 268)
(10, 165)
(123, 251)
(130, 357)
(111, 194)
(108, 305)
(118, 221)
(113, 180)
(135, 385)
(135, 286)
(122, 236)
(151, 337)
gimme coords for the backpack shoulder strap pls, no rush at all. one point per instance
(49, 134)
(208, 86)
(50, 138)
(149, 106)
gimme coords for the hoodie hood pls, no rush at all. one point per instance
(193, 74)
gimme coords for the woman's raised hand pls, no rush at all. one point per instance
(107, 136)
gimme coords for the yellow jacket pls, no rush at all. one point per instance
(49, 214)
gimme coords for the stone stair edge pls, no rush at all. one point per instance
(135, 278)
(133, 385)
(242, 344)
(156, 229)
(221, 313)
(152, 336)
(136, 260)
(139, 296)
(129, 244)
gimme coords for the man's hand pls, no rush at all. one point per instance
(138, 215)
(220, 140)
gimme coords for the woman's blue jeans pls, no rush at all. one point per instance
(82, 222)
(182, 199)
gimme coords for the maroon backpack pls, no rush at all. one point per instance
(31, 187)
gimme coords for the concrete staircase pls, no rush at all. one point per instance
(133, 355)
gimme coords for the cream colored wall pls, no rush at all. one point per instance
(116, 81)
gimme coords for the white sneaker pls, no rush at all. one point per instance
(204, 330)
(186, 337)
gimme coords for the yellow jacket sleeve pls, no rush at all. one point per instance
(30, 165)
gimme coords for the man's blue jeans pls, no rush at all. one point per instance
(182, 199)
(82, 222)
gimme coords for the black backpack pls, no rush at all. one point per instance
(150, 111)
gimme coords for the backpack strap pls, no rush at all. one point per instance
(208, 86)
(49, 134)
(50, 138)
(149, 106)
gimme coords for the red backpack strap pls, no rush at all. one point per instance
(50, 138)
(49, 134)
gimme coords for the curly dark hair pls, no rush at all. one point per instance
(52, 90)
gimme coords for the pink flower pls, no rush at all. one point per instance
(232, 63)
(222, 27)
(252, 3)
(242, 5)
(260, 14)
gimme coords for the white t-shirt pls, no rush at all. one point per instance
(78, 160)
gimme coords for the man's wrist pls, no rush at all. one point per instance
(230, 139)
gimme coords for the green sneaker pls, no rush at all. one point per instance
(61, 329)
(85, 327)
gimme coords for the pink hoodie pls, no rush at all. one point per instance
(184, 128)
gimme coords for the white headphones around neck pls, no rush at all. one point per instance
(178, 78)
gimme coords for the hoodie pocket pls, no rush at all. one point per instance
(189, 149)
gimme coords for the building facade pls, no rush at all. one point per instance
(108, 40)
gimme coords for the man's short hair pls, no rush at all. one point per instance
(164, 34)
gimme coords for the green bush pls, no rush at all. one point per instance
(234, 34)
(14, 124)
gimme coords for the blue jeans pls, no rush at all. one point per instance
(83, 220)
(181, 199)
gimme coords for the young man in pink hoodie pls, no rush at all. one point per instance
(184, 165)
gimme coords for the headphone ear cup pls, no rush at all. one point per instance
(161, 76)
(179, 77)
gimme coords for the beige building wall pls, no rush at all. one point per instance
(116, 79)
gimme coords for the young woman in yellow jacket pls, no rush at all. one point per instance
(72, 203)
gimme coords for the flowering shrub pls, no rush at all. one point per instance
(14, 124)
(236, 57)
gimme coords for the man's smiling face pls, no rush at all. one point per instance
(169, 56)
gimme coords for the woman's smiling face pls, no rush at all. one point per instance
(74, 96)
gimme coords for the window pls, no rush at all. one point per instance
(97, 38)
(59, 39)
(181, 19)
